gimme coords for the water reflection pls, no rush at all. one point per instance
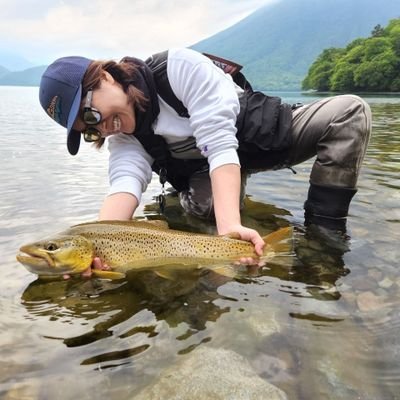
(147, 305)
(322, 323)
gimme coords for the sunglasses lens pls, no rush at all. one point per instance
(91, 116)
(91, 135)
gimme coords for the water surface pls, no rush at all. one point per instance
(322, 324)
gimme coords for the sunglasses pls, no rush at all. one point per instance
(91, 116)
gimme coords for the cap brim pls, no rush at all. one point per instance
(73, 142)
(74, 137)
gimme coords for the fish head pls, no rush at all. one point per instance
(68, 254)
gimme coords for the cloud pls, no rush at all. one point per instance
(42, 31)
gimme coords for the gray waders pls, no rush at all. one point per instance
(336, 130)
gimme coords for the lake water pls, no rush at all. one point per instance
(323, 324)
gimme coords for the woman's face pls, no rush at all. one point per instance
(116, 111)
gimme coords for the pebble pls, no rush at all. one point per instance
(386, 283)
(364, 283)
(368, 301)
(375, 274)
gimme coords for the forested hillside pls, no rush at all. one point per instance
(366, 64)
(278, 43)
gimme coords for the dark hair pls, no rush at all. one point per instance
(122, 72)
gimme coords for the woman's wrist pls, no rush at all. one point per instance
(224, 228)
(119, 206)
(225, 181)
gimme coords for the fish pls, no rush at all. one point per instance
(140, 244)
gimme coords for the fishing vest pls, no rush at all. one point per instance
(263, 126)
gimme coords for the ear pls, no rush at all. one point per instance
(106, 76)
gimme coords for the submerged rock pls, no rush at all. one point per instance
(209, 373)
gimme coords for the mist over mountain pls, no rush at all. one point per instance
(278, 43)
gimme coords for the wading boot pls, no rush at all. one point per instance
(325, 215)
(328, 206)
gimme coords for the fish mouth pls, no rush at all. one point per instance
(36, 261)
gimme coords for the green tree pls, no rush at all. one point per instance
(342, 79)
(393, 32)
(321, 70)
(375, 47)
(371, 64)
(376, 75)
(377, 31)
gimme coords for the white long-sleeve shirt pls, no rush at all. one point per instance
(211, 98)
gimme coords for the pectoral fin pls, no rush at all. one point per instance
(163, 273)
(108, 274)
(225, 270)
(172, 274)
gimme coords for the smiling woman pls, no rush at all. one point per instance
(203, 129)
(110, 101)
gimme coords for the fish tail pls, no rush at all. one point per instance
(280, 241)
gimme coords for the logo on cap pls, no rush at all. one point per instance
(54, 109)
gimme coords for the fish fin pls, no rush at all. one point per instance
(281, 241)
(163, 273)
(159, 223)
(225, 270)
(108, 274)
(287, 261)
(137, 223)
(232, 235)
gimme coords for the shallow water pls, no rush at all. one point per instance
(322, 324)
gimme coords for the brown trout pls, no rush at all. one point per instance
(127, 245)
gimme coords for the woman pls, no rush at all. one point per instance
(121, 102)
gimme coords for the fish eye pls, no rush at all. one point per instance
(51, 246)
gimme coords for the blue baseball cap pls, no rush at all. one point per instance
(60, 94)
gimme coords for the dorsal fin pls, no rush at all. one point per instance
(158, 223)
(150, 224)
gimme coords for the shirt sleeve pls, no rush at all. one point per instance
(129, 165)
(212, 102)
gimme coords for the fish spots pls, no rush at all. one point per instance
(141, 243)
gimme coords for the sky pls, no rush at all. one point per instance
(44, 30)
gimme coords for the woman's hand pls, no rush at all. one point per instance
(119, 206)
(251, 235)
(96, 264)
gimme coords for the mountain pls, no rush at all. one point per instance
(27, 77)
(3, 71)
(278, 43)
(13, 62)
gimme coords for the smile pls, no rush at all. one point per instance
(116, 122)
